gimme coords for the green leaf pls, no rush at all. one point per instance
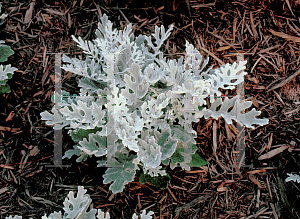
(101, 161)
(186, 147)
(4, 89)
(197, 161)
(177, 157)
(76, 151)
(179, 133)
(166, 161)
(81, 134)
(91, 84)
(5, 52)
(159, 181)
(167, 143)
(3, 81)
(69, 153)
(83, 157)
(139, 41)
(122, 174)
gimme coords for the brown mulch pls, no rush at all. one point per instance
(267, 33)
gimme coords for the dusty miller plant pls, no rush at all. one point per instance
(76, 208)
(130, 97)
(293, 177)
(6, 71)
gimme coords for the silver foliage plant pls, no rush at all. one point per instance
(76, 208)
(6, 71)
(130, 97)
(293, 177)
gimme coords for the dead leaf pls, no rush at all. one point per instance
(10, 116)
(34, 151)
(255, 103)
(51, 11)
(221, 187)
(255, 181)
(273, 152)
(38, 93)
(3, 190)
(52, 78)
(253, 79)
(48, 19)
(11, 28)
(28, 14)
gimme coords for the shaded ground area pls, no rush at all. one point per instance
(269, 36)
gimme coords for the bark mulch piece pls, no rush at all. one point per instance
(266, 33)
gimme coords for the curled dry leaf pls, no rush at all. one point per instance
(221, 187)
(255, 181)
(10, 116)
